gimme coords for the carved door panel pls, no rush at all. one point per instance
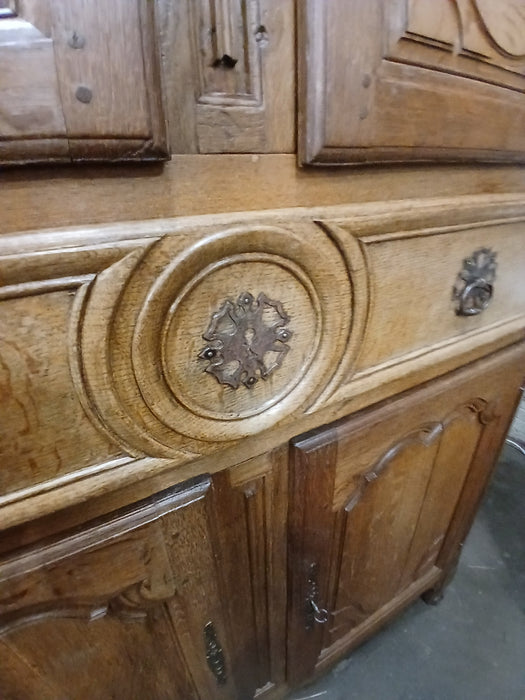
(381, 501)
(250, 517)
(128, 607)
(62, 64)
(397, 80)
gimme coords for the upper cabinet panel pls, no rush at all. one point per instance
(80, 81)
(405, 80)
(229, 69)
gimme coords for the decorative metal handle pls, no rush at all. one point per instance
(474, 298)
(473, 289)
(313, 612)
(320, 615)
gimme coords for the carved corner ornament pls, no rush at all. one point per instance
(473, 288)
(246, 340)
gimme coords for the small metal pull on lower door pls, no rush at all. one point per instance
(314, 613)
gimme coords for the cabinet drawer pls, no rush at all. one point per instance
(437, 290)
(128, 350)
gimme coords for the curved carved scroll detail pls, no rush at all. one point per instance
(129, 605)
(473, 288)
(504, 22)
(239, 340)
(483, 30)
(425, 435)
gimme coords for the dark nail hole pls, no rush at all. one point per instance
(261, 34)
(224, 62)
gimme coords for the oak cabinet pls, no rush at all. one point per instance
(380, 502)
(166, 333)
(405, 80)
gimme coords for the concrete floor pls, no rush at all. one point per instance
(472, 645)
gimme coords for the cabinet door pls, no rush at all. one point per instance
(397, 80)
(128, 607)
(79, 81)
(381, 501)
(181, 596)
(229, 72)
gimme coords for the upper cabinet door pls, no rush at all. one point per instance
(405, 80)
(79, 81)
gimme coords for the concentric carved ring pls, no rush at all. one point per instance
(153, 383)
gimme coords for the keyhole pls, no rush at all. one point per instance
(249, 335)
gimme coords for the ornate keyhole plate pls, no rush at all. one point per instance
(246, 340)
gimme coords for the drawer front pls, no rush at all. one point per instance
(429, 288)
(131, 349)
(440, 287)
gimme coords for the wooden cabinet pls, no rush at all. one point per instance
(167, 332)
(380, 502)
(404, 80)
(181, 596)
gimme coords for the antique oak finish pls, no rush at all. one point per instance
(248, 411)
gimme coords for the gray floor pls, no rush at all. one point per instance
(472, 645)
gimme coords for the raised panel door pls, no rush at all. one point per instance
(381, 501)
(127, 607)
(404, 80)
